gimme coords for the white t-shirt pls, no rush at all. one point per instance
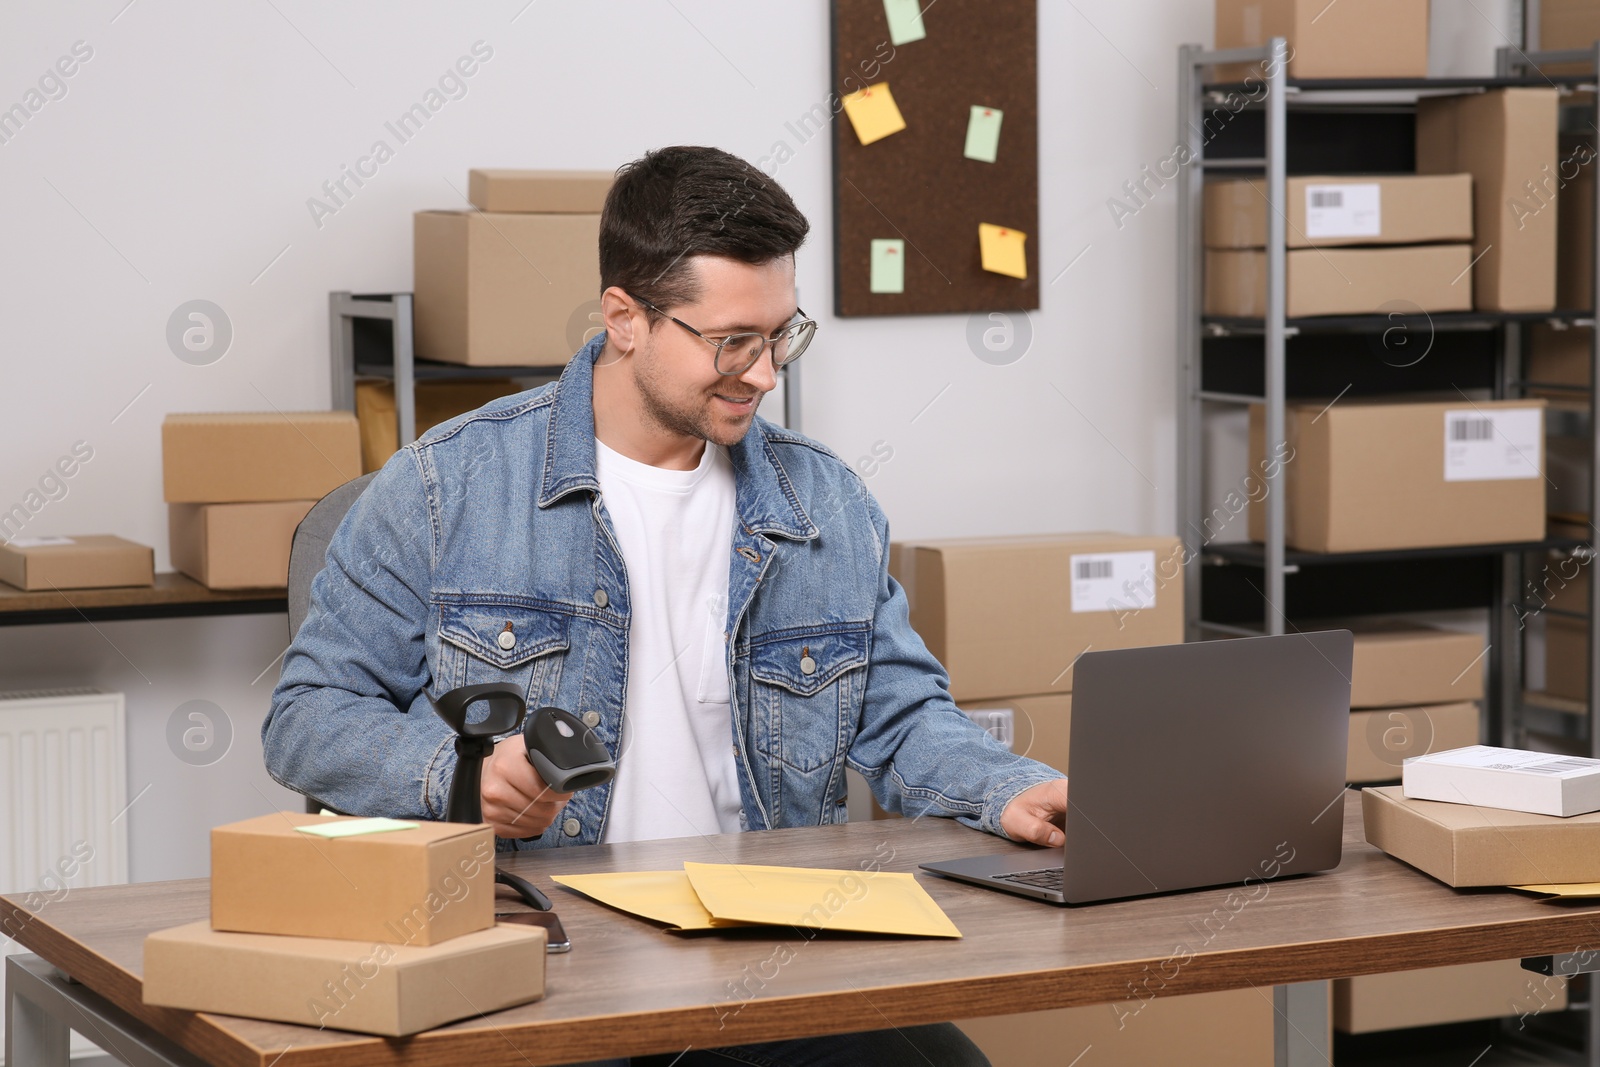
(675, 774)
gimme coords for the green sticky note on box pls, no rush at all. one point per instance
(888, 266)
(983, 134)
(355, 827)
(905, 21)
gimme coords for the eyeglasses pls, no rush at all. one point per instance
(738, 352)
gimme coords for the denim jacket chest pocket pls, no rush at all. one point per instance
(484, 639)
(806, 690)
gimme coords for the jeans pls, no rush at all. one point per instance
(941, 1045)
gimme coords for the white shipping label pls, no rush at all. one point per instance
(1344, 210)
(998, 723)
(39, 542)
(1114, 581)
(1489, 445)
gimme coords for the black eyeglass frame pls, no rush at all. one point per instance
(716, 360)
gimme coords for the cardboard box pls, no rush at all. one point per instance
(1439, 995)
(1398, 663)
(1507, 140)
(235, 546)
(257, 456)
(1381, 739)
(1566, 25)
(1232, 1028)
(1559, 357)
(84, 561)
(436, 402)
(1515, 779)
(1462, 845)
(561, 192)
(1566, 654)
(1349, 39)
(392, 990)
(1403, 209)
(1373, 475)
(1342, 281)
(1575, 235)
(415, 887)
(504, 289)
(1009, 615)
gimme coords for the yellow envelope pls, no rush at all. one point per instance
(861, 901)
(662, 896)
(1572, 890)
(873, 113)
(1004, 250)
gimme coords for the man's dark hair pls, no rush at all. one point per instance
(685, 201)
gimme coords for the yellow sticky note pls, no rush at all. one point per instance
(1004, 249)
(873, 113)
(661, 896)
(859, 901)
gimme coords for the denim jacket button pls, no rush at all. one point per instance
(571, 827)
(507, 640)
(808, 665)
(600, 598)
(591, 719)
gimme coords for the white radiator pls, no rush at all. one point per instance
(63, 798)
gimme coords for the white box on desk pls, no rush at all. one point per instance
(1542, 783)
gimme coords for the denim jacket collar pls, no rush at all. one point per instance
(765, 498)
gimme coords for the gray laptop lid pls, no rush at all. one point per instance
(1253, 734)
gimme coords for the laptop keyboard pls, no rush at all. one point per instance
(1048, 878)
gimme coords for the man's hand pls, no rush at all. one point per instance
(516, 802)
(1037, 813)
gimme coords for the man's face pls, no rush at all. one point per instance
(676, 372)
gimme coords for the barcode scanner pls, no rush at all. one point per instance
(565, 752)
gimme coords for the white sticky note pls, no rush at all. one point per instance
(1113, 581)
(356, 827)
(1489, 445)
(905, 21)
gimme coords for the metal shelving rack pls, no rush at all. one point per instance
(394, 358)
(1253, 581)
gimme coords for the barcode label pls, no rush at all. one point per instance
(1113, 581)
(1089, 569)
(1563, 766)
(1352, 210)
(1492, 445)
(998, 723)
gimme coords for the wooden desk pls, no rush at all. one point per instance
(173, 596)
(630, 988)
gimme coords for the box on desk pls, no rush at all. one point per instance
(367, 987)
(1381, 740)
(1462, 845)
(1380, 474)
(235, 546)
(1507, 139)
(1439, 995)
(505, 289)
(418, 886)
(1351, 39)
(84, 561)
(257, 456)
(1513, 779)
(1403, 209)
(1342, 281)
(563, 192)
(1011, 614)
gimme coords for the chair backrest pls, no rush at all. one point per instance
(308, 553)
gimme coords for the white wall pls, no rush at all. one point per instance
(179, 163)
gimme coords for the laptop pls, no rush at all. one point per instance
(1194, 765)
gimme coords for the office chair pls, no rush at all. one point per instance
(308, 553)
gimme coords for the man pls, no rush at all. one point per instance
(708, 592)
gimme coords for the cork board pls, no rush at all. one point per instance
(916, 185)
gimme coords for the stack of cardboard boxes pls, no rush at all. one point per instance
(515, 282)
(371, 925)
(238, 484)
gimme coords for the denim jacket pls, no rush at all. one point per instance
(493, 523)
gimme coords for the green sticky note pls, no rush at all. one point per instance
(983, 134)
(355, 827)
(888, 266)
(905, 20)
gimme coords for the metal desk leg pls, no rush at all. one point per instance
(34, 1036)
(1300, 1025)
(42, 1005)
